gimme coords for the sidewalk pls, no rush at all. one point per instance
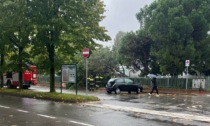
(161, 90)
(180, 91)
(173, 91)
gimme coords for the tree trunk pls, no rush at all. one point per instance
(20, 68)
(1, 74)
(51, 54)
(51, 50)
(146, 68)
(52, 78)
(123, 70)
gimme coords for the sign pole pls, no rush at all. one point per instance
(61, 80)
(86, 54)
(86, 74)
(187, 78)
(187, 64)
(76, 80)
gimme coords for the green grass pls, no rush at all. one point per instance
(68, 98)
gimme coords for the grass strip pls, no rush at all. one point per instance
(68, 98)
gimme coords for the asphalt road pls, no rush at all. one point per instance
(172, 108)
(16, 111)
(112, 110)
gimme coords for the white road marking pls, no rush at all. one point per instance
(46, 116)
(1, 106)
(152, 112)
(51, 117)
(84, 124)
(22, 111)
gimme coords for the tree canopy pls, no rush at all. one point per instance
(15, 31)
(55, 30)
(135, 48)
(66, 26)
(178, 31)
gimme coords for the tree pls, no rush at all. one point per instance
(2, 62)
(135, 48)
(15, 31)
(179, 30)
(100, 63)
(116, 49)
(65, 27)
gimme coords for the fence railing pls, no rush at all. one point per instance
(174, 83)
(46, 79)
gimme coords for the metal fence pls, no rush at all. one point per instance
(174, 83)
(46, 79)
(208, 83)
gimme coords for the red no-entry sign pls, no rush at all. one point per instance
(86, 52)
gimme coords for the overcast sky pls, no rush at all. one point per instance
(121, 16)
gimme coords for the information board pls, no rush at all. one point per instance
(69, 73)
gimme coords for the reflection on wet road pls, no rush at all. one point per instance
(170, 103)
(140, 109)
(180, 109)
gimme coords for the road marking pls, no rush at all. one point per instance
(1, 106)
(84, 124)
(152, 112)
(22, 111)
(51, 117)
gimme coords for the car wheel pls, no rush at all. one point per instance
(14, 87)
(25, 86)
(141, 89)
(138, 91)
(117, 91)
(109, 92)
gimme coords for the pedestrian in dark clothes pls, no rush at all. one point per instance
(154, 87)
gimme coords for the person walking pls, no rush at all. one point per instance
(154, 87)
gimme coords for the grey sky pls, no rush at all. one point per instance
(121, 16)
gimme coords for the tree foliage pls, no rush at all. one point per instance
(135, 48)
(55, 30)
(66, 26)
(101, 62)
(15, 31)
(120, 58)
(179, 31)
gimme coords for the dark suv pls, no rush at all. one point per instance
(122, 84)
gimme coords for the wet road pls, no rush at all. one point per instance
(172, 108)
(113, 110)
(187, 104)
(17, 111)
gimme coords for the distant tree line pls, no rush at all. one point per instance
(171, 31)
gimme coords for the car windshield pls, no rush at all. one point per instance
(120, 80)
(124, 80)
(111, 80)
(128, 81)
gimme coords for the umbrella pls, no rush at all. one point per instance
(151, 76)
